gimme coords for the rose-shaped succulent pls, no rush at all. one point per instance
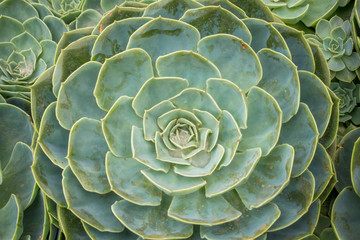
(28, 37)
(177, 126)
(309, 12)
(334, 39)
(349, 95)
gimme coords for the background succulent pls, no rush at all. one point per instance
(141, 127)
(307, 11)
(334, 39)
(28, 37)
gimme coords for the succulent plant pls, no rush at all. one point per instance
(345, 211)
(28, 37)
(349, 95)
(334, 39)
(177, 127)
(355, 20)
(307, 11)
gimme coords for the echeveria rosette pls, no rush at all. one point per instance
(28, 39)
(349, 95)
(307, 11)
(345, 209)
(176, 128)
(334, 39)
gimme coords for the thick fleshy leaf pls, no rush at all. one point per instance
(97, 211)
(301, 228)
(264, 122)
(37, 28)
(117, 126)
(228, 177)
(229, 97)
(41, 96)
(122, 74)
(98, 235)
(195, 208)
(73, 56)
(167, 117)
(264, 35)
(144, 151)
(56, 26)
(170, 8)
(88, 18)
(291, 15)
(301, 54)
(115, 38)
(318, 10)
(208, 121)
(15, 126)
(330, 133)
(151, 221)
(355, 167)
(314, 93)
(342, 159)
(222, 21)
(162, 36)
(226, 52)
(251, 224)
(35, 220)
(269, 177)
(76, 99)
(17, 177)
(281, 80)
(26, 41)
(301, 133)
(127, 181)
(254, 9)
(12, 29)
(53, 139)
(192, 98)
(321, 168)
(345, 214)
(48, 177)
(172, 183)
(202, 164)
(189, 65)
(156, 90)
(86, 155)
(71, 225)
(11, 218)
(294, 200)
(18, 9)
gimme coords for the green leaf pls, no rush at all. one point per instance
(315, 95)
(70, 225)
(238, 170)
(18, 9)
(195, 208)
(170, 8)
(172, 183)
(26, 41)
(294, 200)
(222, 21)
(115, 37)
(86, 155)
(17, 177)
(226, 52)
(156, 90)
(37, 29)
(291, 15)
(12, 29)
(162, 36)
(11, 218)
(280, 80)
(263, 109)
(88, 18)
(189, 65)
(48, 177)
(355, 167)
(269, 177)
(98, 235)
(134, 64)
(323, 28)
(92, 208)
(127, 181)
(53, 139)
(318, 10)
(56, 26)
(151, 222)
(117, 126)
(76, 99)
(301, 133)
(15, 126)
(345, 214)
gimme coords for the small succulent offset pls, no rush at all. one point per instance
(349, 95)
(307, 11)
(335, 40)
(28, 37)
(177, 126)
